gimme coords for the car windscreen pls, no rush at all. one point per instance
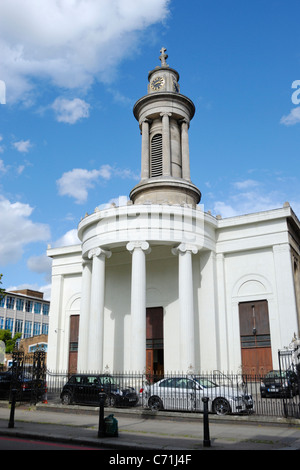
(204, 382)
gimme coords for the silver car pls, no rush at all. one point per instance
(186, 393)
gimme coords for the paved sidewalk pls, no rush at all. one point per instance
(142, 430)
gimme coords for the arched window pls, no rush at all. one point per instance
(156, 166)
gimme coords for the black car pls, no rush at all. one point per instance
(26, 388)
(86, 389)
(278, 383)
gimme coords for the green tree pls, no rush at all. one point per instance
(5, 336)
(2, 291)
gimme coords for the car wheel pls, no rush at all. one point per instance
(221, 406)
(66, 399)
(155, 403)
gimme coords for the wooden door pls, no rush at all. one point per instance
(73, 343)
(154, 340)
(255, 337)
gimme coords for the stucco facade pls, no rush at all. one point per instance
(162, 251)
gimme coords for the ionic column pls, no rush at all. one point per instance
(185, 151)
(186, 301)
(145, 167)
(95, 345)
(138, 304)
(83, 341)
(166, 144)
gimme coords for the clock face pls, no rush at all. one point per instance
(157, 83)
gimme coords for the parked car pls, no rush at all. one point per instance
(278, 383)
(85, 389)
(27, 388)
(186, 393)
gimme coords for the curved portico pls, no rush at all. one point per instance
(137, 229)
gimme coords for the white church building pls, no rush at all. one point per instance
(159, 284)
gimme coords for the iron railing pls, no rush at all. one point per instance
(227, 393)
(235, 393)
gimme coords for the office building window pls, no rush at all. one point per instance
(9, 324)
(19, 326)
(37, 307)
(45, 309)
(44, 328)
(10, 302)
(27, 330)
(28, 305)
(20, 304)
(36, 329)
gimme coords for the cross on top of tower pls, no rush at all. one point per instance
(163, 57)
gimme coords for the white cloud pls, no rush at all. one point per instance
(246, 184)
(223, 209)
(39, 264)
(3, 167)
(69, 43)
(292, 118)
(1, 146)
(248, 196)
(76, 183)
(17, 230)
(247, 202)
(22, 146)
(117, 201)
(69, 238)
(70, 111)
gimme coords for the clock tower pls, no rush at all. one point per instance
(164, 116)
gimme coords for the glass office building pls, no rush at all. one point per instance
(26, 312)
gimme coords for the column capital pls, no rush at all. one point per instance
(165, 113)
(143, 245)
(146, 120)
(185, 122)
(185, 247)
(99, 252)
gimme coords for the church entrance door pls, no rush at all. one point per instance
(255, 337)
(154, 340)
(73, 343)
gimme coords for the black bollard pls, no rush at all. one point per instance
(206, 439)
(101, 427)
(11, 422)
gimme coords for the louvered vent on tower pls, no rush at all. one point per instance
(156, 156)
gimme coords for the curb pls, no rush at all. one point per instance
(171, 415)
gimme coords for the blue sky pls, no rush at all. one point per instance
(69, 142)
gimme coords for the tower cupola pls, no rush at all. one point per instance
(164, 116)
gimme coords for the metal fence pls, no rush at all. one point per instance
(227, 393)
(26, 379)
(275, 394)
